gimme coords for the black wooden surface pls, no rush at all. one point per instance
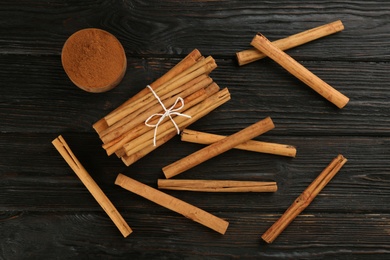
(46, 213)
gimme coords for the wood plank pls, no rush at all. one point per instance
(44, 183)
(39, 97)
(46, 212)
(80, 235)
(221, 28)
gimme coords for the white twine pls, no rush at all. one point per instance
(168, 113)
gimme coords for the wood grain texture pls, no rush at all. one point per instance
(46, 213)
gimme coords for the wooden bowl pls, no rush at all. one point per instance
(94, 60)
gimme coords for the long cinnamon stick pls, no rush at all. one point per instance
(184, 64)
(251, 55)
(206, 68)
(167, 126)
(198, 137)
(130, 159)
(172, 203)
(283, 59)
(304, 199)
(140, 135)
(130, 121)
(217, 185)
(218, 147)
(203, 109)
(63, 148)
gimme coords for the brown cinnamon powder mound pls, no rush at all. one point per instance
(94, 60)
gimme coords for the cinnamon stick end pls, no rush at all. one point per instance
(120, 179)
(267, 239)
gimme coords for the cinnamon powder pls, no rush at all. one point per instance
(94, 60)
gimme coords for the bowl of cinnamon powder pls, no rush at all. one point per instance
(94, 60)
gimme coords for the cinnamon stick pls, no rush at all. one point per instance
(130, 159)
(201, 109)
(283, 59)
(193, 110)
(218, 147)
(192, 136)
(130, 121)
(184, 64)
(140, 135)
(304, 199)
(217, 185)
(251, 55)
(63, 148)
(206, 68)
(172, 203)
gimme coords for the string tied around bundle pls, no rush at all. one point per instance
(167, 113)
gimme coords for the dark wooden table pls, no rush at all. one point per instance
(47, 213)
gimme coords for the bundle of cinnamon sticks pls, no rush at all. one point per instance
(186, 87)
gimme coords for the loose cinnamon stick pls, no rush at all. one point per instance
(283, 59)
(251, 55)
(218, 147)
(304, 199)
(217, 185)
(192, 136)
(184, 64)
(172, 203)
(63, 148)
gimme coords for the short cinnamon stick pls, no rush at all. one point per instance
(251, 55)
(304, 199)
(217, 185)
(295, 68)
(63, 148)
(192, 136)
(172, 203)
(218, 147)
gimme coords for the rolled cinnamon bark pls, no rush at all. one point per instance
(295, 68)
(63, 148)
(218, 147)
(172, 203)
(251, 55)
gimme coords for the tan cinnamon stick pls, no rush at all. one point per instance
(251, 55)
(217, 185)
(172, 203)
(140, 134)
(194, 112)
(63, 148)
(184, 64)
(130, 121)
(210, 97)
(192, 136)
(283, 59)
(206, 68)
(130, 159)
(218, 147)
(201, 109)
(304, 199)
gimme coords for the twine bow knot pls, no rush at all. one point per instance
(168, 113)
